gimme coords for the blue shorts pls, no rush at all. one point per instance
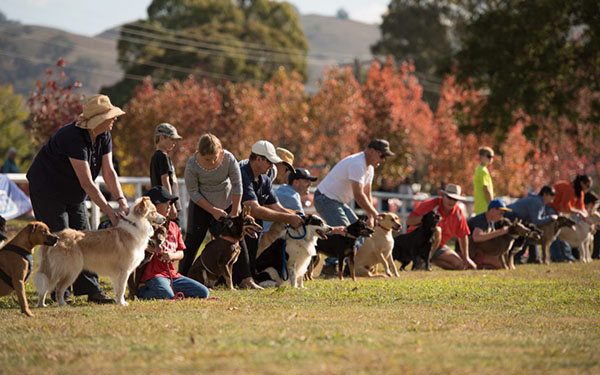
(440, 251)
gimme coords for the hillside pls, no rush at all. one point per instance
(26, 51)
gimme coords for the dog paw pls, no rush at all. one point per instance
(124, 303)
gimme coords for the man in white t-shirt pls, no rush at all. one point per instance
(350, 179)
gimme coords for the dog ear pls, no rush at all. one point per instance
(33, 227)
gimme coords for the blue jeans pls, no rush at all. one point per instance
(334, 213)
(160, 288)
(560, 251)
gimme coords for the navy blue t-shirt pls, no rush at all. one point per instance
(480, 222)
(260, 190)
(51, 173)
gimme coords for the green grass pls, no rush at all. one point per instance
(535, 320)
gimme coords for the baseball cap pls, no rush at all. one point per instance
(159, 194)
(301, 174)
(382, 146)
(266, 149)
(498, 203)
(167, 130)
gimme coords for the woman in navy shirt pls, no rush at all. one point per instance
(62, 176)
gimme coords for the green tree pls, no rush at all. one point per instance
(414, 30)
(12, 133)
(236, 40)
(541, 57)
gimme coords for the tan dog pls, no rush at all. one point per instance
(378, 248)
(15, 259)
(277, 230)
(581, 237)
(113, 252)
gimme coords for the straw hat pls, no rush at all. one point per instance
(96, 110)
(454, 192)
(286, 157)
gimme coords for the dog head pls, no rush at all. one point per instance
(39, 234)
(316, 224)
(389, 220)
(517, 228)
(563, 221)
(360, 228)
(431, 219)
(145, 209)
(159, 237)
(240, 226)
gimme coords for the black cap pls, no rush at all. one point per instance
(382, 146)
(159, 194)
(301, 174)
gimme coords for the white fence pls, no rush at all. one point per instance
(139, 182)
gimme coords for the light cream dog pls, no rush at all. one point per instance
(113, 252)
(378, 248)
(582, 237)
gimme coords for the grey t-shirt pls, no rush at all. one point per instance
(216, 185)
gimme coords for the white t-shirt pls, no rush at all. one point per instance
(336, 185)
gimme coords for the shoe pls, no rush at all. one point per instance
(100, 298)
(248, 283)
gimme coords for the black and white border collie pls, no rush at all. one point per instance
(287, 258)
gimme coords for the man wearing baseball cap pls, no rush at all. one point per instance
(258, 194)
(482, 229)
(453, 223)
(349, 179)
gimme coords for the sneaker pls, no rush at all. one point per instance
(248, 283)
(100, 298)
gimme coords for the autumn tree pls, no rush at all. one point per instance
(54, 103)
(395, 110)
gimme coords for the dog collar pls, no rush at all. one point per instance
(229, 239)
(301, 237)
(384, 228)
(126, 219)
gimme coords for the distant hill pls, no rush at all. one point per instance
(26, 51)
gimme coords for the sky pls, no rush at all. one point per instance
(91, 17)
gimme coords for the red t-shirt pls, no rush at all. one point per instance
(156, 267)
(453, 223)
(565, 198)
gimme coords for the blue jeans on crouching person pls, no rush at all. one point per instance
(560, 251)
(160, 288)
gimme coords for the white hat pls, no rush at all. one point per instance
(266, 149)
(454, 192)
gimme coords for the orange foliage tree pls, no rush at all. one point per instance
(395, 110)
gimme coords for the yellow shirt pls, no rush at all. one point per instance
(482, 178)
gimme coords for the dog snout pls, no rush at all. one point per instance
(51, 240)
(159, 219)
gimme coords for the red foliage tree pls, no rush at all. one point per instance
(53, 104)
(395, 110)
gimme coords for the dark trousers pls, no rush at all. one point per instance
(59, 216)
(596, 252)
(200, 222)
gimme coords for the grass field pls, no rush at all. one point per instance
(535, 320)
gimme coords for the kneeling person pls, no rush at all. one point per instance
(482, 229)
(156, 280)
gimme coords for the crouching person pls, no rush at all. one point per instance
(160, 280)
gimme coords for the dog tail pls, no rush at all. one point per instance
(40, 279)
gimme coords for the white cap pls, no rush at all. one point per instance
(266, 149)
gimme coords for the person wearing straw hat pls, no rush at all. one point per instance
(62, 176)
(453, 223)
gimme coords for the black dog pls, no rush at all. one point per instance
(342, 247)
(2, 229)
(415, 246)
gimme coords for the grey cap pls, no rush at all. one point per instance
(167, 130)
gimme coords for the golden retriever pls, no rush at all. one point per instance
(113, 252)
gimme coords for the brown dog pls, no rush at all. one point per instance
(15, 260)
(220, 254)
(549, 232)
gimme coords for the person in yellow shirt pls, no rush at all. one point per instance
(483, 188)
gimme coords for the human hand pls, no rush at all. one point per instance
(338, 230)
(372, 220)
(123, 207)
(218, 213)
(113, 217)
(165, 256)
(554, 217)
(470, 265)
(295, 220)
